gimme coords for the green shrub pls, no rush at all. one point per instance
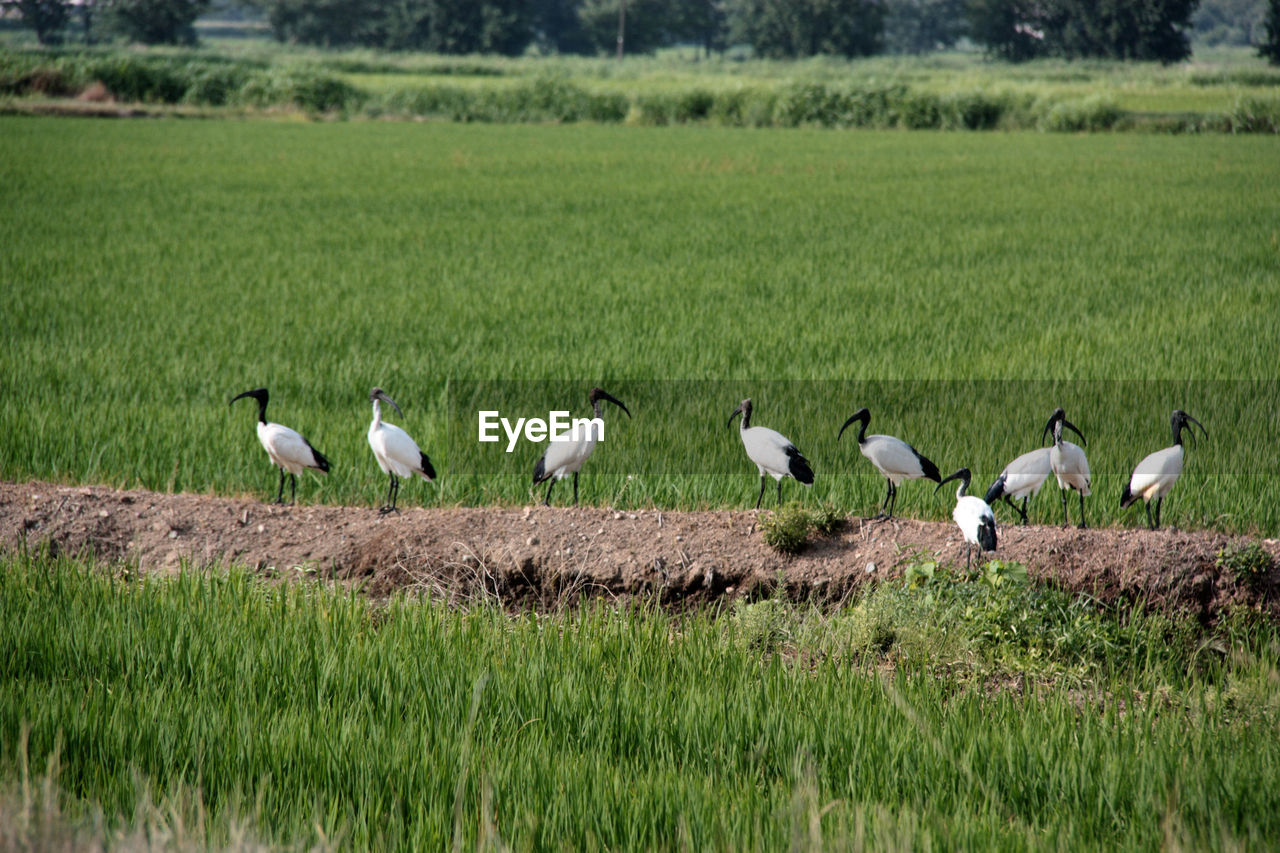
(787, 528)
(1255, 115)
(763, 625)
(1091, 113)
(1249, 562)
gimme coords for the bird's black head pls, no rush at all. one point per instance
(378, 394)
(598, 394)
(744, 409)
(863, 415)
(962, 475)
(1057, 421)
(1180, 420)
(259, 394)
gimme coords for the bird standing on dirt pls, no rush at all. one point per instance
(288, 450)
(773, 452)
(976, 520)
(566, 453)
(1156, 474)
(1021, 478)
(397, 454)
(1068, 462)
(894, 459)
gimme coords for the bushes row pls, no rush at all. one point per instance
(158, 79)
(213, 81)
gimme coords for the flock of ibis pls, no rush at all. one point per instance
(774, 455)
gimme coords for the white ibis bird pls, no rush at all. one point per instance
(773, 452)
(1068, 462)
(397, 454)
(288, 450)
(976, 520)
(894, 459)
(566, 453)
(1021, 478)
(1156, 474)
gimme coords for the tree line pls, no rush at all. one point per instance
(1015, 30)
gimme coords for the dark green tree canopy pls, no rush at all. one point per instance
(155, 21)
(792, 28)
(1270, 47)
(47, 17)
(1112, 29)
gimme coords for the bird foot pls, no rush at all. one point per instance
(387, 510)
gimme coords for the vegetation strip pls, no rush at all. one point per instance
(958, 710)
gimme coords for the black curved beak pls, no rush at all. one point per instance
(256, 393)
(962, 474)
(605, 395)
(856, 416)
(736, 412)
(384, 398)
(1069, 425)
(1192, 432)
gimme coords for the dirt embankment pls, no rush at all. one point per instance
(538, 555)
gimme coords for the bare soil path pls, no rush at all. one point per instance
(536, 555)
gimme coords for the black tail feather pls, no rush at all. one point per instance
(1128, 497)
(930, 470)
(540, 470)
(987, 535)
(426, 467)
(798, 466)
(996, 491)
(321, 463)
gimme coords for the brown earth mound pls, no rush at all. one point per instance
(540, 556)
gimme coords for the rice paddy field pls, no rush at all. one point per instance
(960, 285)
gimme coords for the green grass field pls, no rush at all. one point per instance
(954, 716)
(959, 285)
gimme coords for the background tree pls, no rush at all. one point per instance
(1009, 29)
(919, 26)
(1270, 47)
(1229, 22)
(155, 21)
(47, 17)
(793, 28)
(649, 24)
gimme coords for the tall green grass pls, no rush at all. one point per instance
(301, 712)
(155, 269)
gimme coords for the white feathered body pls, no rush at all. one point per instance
(893, 458)
(1023, 477)
(397, 453)
(1156, 474)
(1070, 466)
(976, 521)
(288, 449)
(566, 454)
(773, 453)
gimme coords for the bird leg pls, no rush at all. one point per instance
(1023, 511)
(1082, 524)
(893, 492)
(547, 500)
(888, 494)
(575, 488)
(293, 489)
(1151, 525)
(760, 496)
(392, 489)
(779, 491)
(280, 494)
(1159, 501)
(1063, 493)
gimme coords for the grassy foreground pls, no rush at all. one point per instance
(300, 714)
(961, 286)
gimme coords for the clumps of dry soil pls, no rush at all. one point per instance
(538, 556)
